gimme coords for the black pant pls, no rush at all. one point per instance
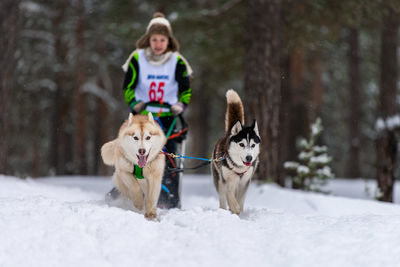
(169, 196)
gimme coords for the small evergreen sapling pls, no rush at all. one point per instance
(312, 170)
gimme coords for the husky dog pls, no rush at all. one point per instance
(239, 149)
(139, 166)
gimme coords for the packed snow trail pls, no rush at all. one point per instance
(65, 222)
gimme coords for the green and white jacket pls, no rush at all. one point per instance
(159, 81)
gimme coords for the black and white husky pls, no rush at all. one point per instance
(239, 149)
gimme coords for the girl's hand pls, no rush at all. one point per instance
(177, 108)
(138, 107)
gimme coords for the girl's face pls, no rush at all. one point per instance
(158, 43)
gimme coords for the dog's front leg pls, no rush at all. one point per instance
(231, 186)
(220, 185)
(242, 190)
(137, 195)
(222, 194)
(129, 187)
(153, 193)
(153, 188)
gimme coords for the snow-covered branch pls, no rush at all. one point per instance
(390, 123)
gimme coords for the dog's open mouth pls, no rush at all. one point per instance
(247, 163)
(142, 160)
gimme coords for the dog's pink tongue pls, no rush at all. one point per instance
(142, 160)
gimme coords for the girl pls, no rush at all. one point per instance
(157, 81)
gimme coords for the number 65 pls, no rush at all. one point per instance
(156, 95)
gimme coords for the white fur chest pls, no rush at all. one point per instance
(241, 175)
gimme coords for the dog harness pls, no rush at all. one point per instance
(240, 174)
(138, 172)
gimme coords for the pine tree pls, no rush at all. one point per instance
(312, 170)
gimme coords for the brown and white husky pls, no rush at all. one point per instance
(139, 166)
(240, 147)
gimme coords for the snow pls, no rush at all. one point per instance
(325, 172)
(380, 125)
(315, 128)
(321, 159)
(320, 149)
(391, 123)
(64, 221)
(305, 155)
(303, 170)
(291, 165)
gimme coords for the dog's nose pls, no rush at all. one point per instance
(249, 158)
(142, 151)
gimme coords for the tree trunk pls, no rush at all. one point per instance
(317, 86)
(386, 141)
(299, 121)
(262, 81)
(102, 136)
(102, 114)
(80, 165)
(58, 113)
(285, 115)
(199, 130)
(9, 14)
(353, 169)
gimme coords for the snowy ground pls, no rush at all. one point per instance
(65, 222)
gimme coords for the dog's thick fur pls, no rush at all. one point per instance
(139, 142)
(240, 148)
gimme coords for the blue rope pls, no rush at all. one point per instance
(163, 187)
(179, 156)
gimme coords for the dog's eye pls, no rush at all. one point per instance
(148, 137)
(241, 144)
(253, 145)
(136, 138)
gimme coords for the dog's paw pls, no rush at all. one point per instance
(235, 209)
(150, 215)
(237, 212)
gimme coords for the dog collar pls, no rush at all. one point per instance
(138, 172)
(242, 173)
(229, 160)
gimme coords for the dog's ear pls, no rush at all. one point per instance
(236, 128)
(130, 120)
(150, 116)
(108, 153)
(255, 128)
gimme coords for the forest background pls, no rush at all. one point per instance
(291, 61)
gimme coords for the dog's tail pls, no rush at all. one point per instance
(234, 110)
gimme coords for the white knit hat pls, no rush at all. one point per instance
(159, 20)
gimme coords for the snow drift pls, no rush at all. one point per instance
(64, 221)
